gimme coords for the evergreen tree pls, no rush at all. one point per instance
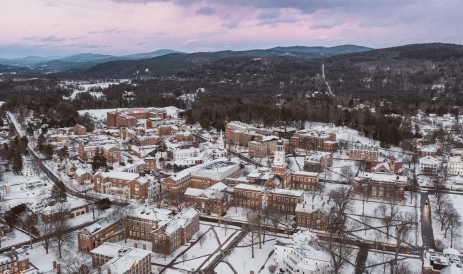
(41, 142)
(49, 151)
(17, 162)
(99, 160)
(58, 193)
(63, 152)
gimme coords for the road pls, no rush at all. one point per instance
(426, 227)
(39, 239)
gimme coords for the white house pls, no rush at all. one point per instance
(302, 255)
(428, 165)
(182, 154)
(455, 165)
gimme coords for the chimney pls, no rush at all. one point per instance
(303, 205)
(323, 205)
(58, 269)
(313, 206)
(13, 249)
(135, 245)
(54, 264)
(109, 270)
(144, 246)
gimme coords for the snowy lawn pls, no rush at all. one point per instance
(195, 255)
(241, 257)
(378, 262)
(198, 254)
(439, 235)
(14, 238)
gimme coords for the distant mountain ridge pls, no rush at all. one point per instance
(78, 61)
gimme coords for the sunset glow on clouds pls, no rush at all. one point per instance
(64, 27)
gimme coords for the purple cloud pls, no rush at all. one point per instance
(266, 14)
(52, 38)
(105, 31)
(206, 11)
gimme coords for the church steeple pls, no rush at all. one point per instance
(279, 166)
(221, 141)
(279, 159)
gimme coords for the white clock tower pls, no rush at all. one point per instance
(279, 166)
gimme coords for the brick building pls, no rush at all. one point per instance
(380, 185)
(13, 262)
(359, 151)
(79, 130)
(128, 118)
(200, 176)
(319, 141)
(74, 207)
(251, 196)
(124, 184)
(314, 215)
(109, 146)
(83, 176)
(212, 200)
(115, 258)
(304, 180)
(266, 146)
(170, 234)
(96, 234)
(318, 161)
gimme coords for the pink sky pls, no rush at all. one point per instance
(119, 27)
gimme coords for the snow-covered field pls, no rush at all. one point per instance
(439, 235)
(241, 257)
(14, 238)
(87, 87)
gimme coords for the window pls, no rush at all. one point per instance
(381, 192)
(373, 191)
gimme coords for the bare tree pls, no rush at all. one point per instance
(123, 214)
(202, 240)
(46, 230)
(386, 217)
(6, 233)
(275, 216)
(316, 190)
(442, 209)
(346, 172)
(184, 257)
(61, 226)
(455, 227)
(76, 262)
(364, 196)
(252, 228)
(339, 251)
(28, 222)
(272, 268)
(343, 203)
(403, 223)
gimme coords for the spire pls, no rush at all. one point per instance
(221, 141)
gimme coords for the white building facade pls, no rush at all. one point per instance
(302, 255)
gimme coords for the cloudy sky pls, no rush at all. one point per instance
(64, 27)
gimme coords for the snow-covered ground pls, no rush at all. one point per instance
(14, 238)
(439, 235)
(242, 261)
(378, 263)
(87, 87)
(193, 255)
